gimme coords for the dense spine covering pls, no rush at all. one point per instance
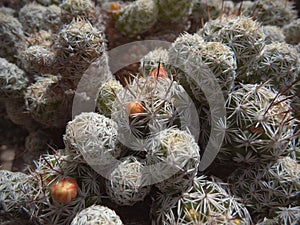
(260, 124)
(265, 187)
(206, 202)
(92, 137)
(174, 10)
(126, 185)
(137, 17)
(97, 214)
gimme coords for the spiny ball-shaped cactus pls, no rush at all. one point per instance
(273, 34)
(74, 8)
(32, 17)
(292, 32)
(39, 58)
(125, 184)
(13, 80)
(151, 60)
(93, 137)
(265, 187)
(149, 105)
(278, 62)
(16, 191)
(11, 33)
(260, 124)
(285, 216)
(52, 17)
(174, 10)
(273, 12)
(49, 100)
(175, 159)
(106, 96)
(79, 44)
(242, 34)
(206, 202)
(97, 215)
(137, 17)
(215, 58)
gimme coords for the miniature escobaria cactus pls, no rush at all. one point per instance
(174, 10)
(151, 60)
(292, 32)
(79, 44)
(31, 17)
(48, 100)
(242, 34)
(137, 17)
(78, 8)
(178, 153)
(97, 214)
(284, 216)
(271, 12)
(265, 187)
(273, 34)
(11, 33)
(278, 62)
(106, 96)
(164, 103)
(16, 191)
(125, 185)
(213, 57)
(206, 202)
(92, 137)
(260, 124)
(13, 80)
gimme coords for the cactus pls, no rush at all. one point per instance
(273, 34)
(265, 187)
(242, 34)
(178, 153)
(78, 8)
(278, 62)
(291, 32)
(174, 10)
(137, 17)
(11, 33)
(16, 191)
(97, 214)
(13, 80)
(106, 96)
(163, 103)
(260, 124)
(31, 17)
(206, 202)
(79, 45)
(48, 100)
(125, 185)
(273, 12)
(151, 60)
(92, 137)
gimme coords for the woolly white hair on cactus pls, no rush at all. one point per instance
(97, 215)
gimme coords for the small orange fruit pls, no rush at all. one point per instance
(159, 73)
(64, 190)
(134, 107)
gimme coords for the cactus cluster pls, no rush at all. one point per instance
(230, 75)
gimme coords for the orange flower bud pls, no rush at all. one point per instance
(65, 190)
(161, 73)
(134, 107)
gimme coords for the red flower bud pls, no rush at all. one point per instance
(65, 190)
